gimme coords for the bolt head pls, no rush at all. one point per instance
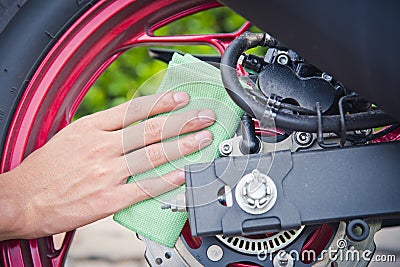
(327, 77)
(215, 253)
(303, 138)
(283, 59)
(225, 149)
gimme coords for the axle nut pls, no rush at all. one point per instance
(256, 193)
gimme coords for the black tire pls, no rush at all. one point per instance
(8, 9)
(24, 42)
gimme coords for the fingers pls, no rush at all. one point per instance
(137, 109)
(157, 154)
(131, 193)
(161, 128)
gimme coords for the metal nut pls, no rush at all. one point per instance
(256, 193)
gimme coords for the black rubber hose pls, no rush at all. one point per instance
(306, 123)
(356, 121)
(228, 71)
(250, 144)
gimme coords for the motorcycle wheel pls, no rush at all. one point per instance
(51, 53)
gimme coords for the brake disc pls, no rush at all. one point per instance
(339, 253)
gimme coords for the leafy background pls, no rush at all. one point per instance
(123, 78)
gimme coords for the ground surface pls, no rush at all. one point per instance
(106, 243)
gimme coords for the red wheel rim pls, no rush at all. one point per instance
(68, 71)
(317, 241)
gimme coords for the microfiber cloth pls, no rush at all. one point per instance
(203, 83)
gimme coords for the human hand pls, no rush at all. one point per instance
(79, 176)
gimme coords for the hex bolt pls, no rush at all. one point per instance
(326, 77)
(283, 59)
(303, 138)
(215, 253)
(283, 259)
(225, 149)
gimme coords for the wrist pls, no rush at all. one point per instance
(13, 207)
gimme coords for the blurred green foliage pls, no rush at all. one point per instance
(123, 78)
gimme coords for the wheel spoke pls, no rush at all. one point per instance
(58, 256)
(219, 40)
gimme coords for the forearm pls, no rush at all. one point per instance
(12, 207)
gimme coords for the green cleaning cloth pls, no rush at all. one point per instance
(203, 83)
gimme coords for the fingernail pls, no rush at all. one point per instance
(177, 177)
(180, 177)
(181, 97)
(205, 138)
(206, 115)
